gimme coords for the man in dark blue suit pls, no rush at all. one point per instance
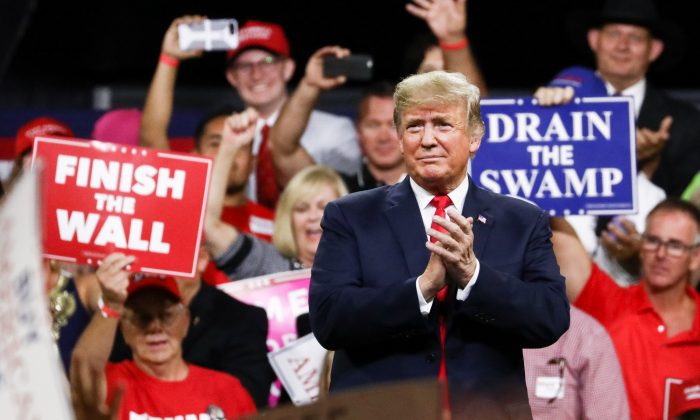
(401, 293)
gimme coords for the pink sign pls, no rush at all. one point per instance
(284, 296)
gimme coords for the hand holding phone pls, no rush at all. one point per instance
(354, 67)
(208, 35)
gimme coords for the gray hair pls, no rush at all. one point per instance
(439, 88)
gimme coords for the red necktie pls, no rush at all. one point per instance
(266, 188)
(441, 202)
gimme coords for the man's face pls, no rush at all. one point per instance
(242, 162)
(661, 269)
(154, 327)
(260, 78)
(624, 52)
(437, 145)
(377, 134)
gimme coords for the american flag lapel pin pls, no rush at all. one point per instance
(481, 219)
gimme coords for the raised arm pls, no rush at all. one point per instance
(88, 386)
(447, 20)
(239, 130)
(573, 260)
(288, 154)
(158, 108)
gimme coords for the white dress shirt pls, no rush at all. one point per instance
(636, 91)
(427, 211)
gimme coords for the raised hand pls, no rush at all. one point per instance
(113, 278)
(621, 241)
(650, 142)
(239, 129)
(447, 19)
(314, 69)
(550, 95)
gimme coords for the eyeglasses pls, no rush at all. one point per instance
(266, 65)
(674, 248)
(167, 317)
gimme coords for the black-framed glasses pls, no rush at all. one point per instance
(266, 65)
(167, 317)
(561, 363)
(673, 247)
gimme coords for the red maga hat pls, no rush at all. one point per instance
(265, 35)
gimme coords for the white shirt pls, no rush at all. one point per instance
(329, 139)
(636, 91)
(427, 211)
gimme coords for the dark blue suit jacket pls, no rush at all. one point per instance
(363, 300)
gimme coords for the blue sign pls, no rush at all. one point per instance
(577, 158)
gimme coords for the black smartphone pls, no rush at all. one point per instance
(354, 67)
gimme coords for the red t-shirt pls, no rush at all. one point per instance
(648, 357)
(147, 397)
(251, 218)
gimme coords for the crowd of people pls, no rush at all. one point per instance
(416, 271)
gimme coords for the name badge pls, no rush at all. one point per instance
(549, 387)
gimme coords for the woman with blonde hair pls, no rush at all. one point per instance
(297, 230)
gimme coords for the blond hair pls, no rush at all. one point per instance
(439, 88)
(304, 185)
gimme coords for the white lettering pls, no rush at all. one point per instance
(123, 177)
(523, 181)
(112, 231)
(494, 125)
(144, 180)
(593, 182)
(76, 223)
(489, 179)
(176, 183)
(157, 244)
(104, 175)
(610, 177)
(548, 184)
(298, 301)
(528, 126)
(584, 186)
(603, 126)
(65, 167)
(556, 127)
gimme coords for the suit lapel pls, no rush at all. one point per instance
(403, 215)
(477, 206)
(199, 311)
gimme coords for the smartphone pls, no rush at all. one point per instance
(209, 35)
(602, 225)
(354, 67)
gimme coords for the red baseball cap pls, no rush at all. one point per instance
(265, 35)
(42, 126)
(141, 281)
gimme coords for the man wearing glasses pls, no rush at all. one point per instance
(259, 70)
(158, 383)
(655, 325)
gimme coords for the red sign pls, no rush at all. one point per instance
(101, 198)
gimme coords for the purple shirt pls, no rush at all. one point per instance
(578, 377)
